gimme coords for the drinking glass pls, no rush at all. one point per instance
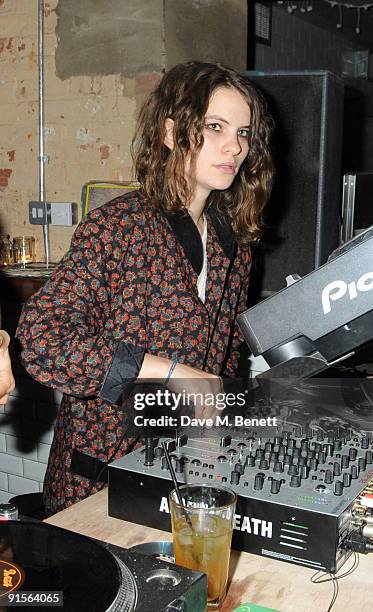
(202, 534)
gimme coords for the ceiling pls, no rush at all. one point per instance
(325, 16)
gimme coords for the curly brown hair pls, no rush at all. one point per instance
(183, 95)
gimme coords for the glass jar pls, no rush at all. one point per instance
(23, 250)
(6, 251)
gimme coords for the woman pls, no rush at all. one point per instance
(154, 280)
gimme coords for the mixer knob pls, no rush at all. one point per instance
(302, 461)
(338, 487)
(276, 448)
(322, 457)
(329, 449)
(365, 442)
(278, 467)
(211, 466)
(263, 464)
(352, 453)
(196, 473)
(362, 464)
(354, 471)
(304, 445)
(331, 436)
(293, 470)
(164, 464)
(235, 478)
(320, 488)
(268, 447)
(320, 436)
(250, 461)
(291, 443)
(348, 435)
(346, 479)
(181, 440)
(296, 452)
(171, 446)
(225, 441)
(259, 453)
(158, 452)
(311, 454)
(297, 431)
(205, 465)
(328, 477)
(338, 445)
(211, 476)
(239, 468)
(313, 464)
(304, 471)
(179, 466)
(222, 458)
(345, 461)
(149, 452)
(241, 445)
(196, 462)
(369, 456)
(273, 457)
(275, 486)
(336, 469)
(232, 451)
(295, 481)
(318, 447)
(224, 479)
(286, 435)
(278, 440)
(288, 460)
(258, 482)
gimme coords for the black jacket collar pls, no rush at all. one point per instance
(189, 237)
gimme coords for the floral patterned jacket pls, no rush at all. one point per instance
(127, 285)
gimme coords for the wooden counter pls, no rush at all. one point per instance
(266, 582)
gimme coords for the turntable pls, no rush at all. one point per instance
(90, 575)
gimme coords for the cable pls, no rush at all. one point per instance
(358, 543)
(334, 579)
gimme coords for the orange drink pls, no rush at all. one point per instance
(202, 534)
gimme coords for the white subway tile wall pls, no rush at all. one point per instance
(26, 432)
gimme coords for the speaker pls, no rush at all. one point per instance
(303, 216)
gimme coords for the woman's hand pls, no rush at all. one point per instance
(201, 389)
(6, 376)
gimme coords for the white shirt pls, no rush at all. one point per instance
(202, 278)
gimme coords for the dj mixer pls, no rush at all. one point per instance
(299, 492)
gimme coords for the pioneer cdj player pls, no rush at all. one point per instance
(299, 491)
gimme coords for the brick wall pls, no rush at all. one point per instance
(89, 121)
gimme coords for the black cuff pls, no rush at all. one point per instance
(122, 373)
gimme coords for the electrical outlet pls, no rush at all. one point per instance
(62, 213)
(38, 213)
